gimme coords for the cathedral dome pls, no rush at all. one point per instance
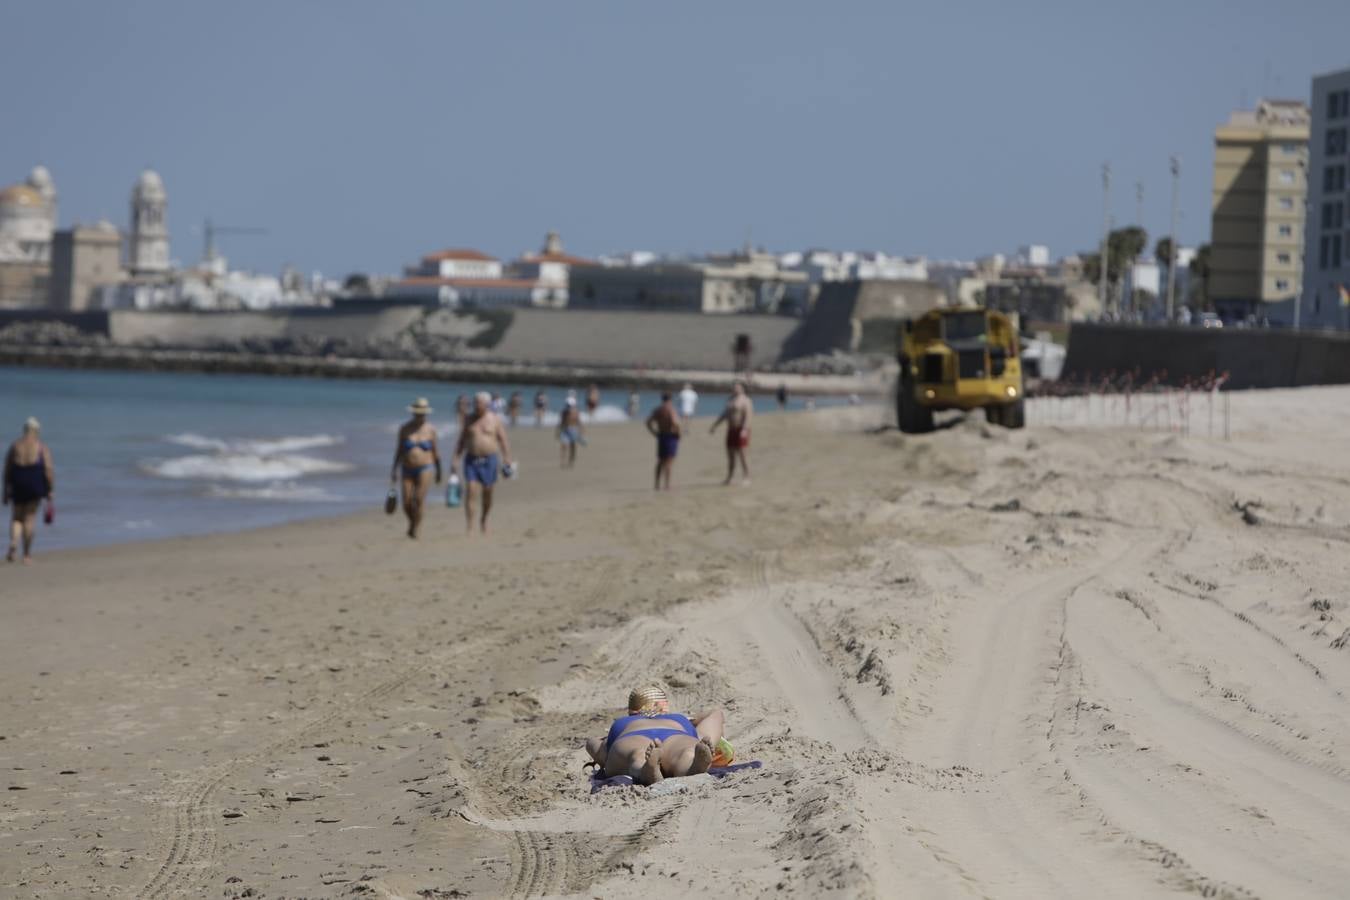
(21, 195)
(40, 180)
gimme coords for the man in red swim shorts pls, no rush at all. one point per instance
(737, 415)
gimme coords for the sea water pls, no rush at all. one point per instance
(143, 455)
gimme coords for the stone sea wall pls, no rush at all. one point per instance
(409, 341)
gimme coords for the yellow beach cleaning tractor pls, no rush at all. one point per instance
(959, 358)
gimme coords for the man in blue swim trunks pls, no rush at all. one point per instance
(664, 425)
(483, 445)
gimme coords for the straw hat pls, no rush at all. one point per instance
(649, 699)
(421, 407)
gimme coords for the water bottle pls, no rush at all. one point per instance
(453, 491)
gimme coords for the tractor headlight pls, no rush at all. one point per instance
(1011, 391)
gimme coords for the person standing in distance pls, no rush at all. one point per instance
(664, 425)
(737, 415)
(30, 478)
(688, 402)
(540, 408)
(513, 409)
(570, 433)
(484, 447)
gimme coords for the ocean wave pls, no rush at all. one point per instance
(245, 467)
(286, 490)
(256, 446)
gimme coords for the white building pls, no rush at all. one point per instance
(1145, 274)
(1326, 233)
(459, 263)
(550, 269)
(1037, 255)
(821, 266)
(471, 278)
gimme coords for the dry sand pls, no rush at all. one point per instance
(1065, 662)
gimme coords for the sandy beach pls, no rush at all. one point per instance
(1070, 661)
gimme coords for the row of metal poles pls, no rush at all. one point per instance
(1150, 405)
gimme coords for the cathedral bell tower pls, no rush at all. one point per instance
(149, 250)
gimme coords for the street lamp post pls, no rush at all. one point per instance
(1175, 163)
(1106, 233)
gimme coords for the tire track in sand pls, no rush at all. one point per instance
(192, 840)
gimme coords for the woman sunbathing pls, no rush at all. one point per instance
(652, 743)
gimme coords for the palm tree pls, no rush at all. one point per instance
(1200, 275)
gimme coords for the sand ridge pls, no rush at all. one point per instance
(1070, 661)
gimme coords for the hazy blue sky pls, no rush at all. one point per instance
(363, 135)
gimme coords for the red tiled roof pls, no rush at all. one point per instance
(475, 255)
(428, 280)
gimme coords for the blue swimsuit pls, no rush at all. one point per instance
(659, 732)
(415, 471)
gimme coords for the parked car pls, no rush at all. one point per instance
(1209, 320)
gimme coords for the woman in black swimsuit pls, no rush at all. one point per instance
(414, 457)
(29, 479)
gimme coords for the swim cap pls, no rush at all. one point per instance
(650, 699)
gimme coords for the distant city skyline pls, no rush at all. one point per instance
(363, 137)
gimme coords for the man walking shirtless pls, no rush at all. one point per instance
(483, 444)
(737, 415)
(664, 425)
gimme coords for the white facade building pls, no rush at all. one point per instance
(1326, 233)
(459, 263)
(472, 278)
(1145, 274)
(1033, 255)
(821, 266)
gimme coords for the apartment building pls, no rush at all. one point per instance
(1326, 247)
(1260, 187)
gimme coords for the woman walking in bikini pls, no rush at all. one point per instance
(414, 457)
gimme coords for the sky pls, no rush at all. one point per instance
(362, 136)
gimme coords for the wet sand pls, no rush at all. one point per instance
(1069, 661)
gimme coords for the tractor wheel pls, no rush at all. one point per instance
(911, 416)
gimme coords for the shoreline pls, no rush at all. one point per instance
(469, 371)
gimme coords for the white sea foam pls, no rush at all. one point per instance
(284, 490)
(246, 467)
(247, 460)
(258, 446)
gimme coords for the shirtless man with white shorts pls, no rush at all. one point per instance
(483, 444)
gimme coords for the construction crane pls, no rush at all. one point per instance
(210, 230)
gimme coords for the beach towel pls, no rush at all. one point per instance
(599, 782)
